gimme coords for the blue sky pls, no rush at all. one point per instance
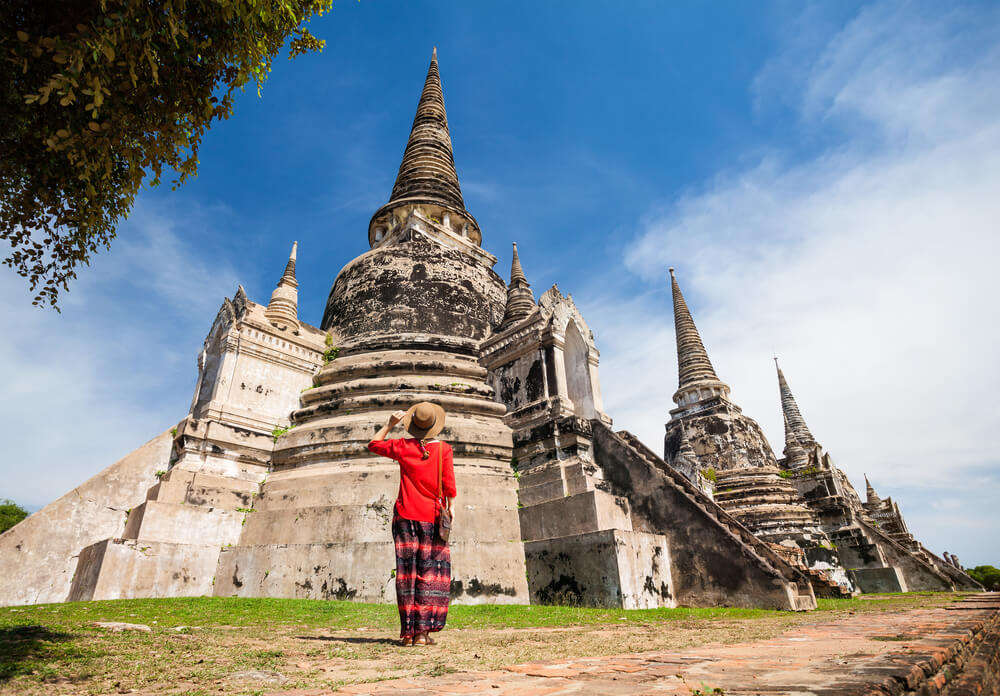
(822, 176)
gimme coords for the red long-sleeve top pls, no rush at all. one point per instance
(418, 482)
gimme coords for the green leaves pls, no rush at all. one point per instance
(10, 514)
(109, 94)
(987, 576)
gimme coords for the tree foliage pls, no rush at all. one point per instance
(987, 576)
(10, 514)
(99, 95)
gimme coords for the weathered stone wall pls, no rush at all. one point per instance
(250, 372)
(324, 532)
(38, 557)
(520, 381)
(918, 575)
(710, 566)
(131, 569)
(722, 437)
(418, 287)
(607, 568)
(874, 580)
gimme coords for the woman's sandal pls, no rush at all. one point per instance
(406, 641)
(424, 639)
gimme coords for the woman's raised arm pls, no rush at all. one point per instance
(393, 419)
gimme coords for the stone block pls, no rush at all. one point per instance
(613, 567)
(878, 579)
(576, 514)
(186, 487)
(183, 524)
(130, 569)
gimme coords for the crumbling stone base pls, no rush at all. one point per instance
(132, 568)
(878, 580)
(612, 567)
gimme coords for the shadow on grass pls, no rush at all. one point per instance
(352, 640)
(22, 646)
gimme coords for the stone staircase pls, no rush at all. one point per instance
(171, 543)
(752, 549)
(820, 584)
(932, 579)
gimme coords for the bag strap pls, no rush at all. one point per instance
(440, 473)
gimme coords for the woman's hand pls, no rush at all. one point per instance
(393, 419)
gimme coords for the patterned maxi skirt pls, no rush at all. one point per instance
(423, 576)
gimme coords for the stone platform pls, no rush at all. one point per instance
(953, 651)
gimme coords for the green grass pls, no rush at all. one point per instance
(55, 648)
(234, 611)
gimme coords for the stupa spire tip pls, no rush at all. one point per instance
(793, 416)
(520, 299)
(693, 365)
(283, 309)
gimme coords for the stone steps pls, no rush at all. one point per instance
(821, 586)
(711, 507)
(754, 550)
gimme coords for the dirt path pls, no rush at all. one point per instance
(888, 653)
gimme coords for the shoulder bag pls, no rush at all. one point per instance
(443, 523)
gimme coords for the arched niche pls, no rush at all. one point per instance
(579, 388)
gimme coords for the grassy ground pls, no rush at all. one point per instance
(211, 645)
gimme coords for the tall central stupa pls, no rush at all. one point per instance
(404, 323)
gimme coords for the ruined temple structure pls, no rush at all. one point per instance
(731, 449)
(266, 487)
(885, 513)
(871, 538)
(801, 504)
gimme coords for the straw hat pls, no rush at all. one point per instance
(424, 420)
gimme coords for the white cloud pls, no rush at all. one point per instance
(870, 268)
(86, 387)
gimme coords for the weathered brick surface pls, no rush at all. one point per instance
(952, 651)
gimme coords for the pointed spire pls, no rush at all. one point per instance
(520, 300)
(289, 273)
(794, 454)
(870, 494)
(427, 178)
(428, 168)
(283, 309)
(693, 366)
(516, 272)
(793, 418)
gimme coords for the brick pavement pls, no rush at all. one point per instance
(951, 651)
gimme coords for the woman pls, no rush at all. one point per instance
(423, 560)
